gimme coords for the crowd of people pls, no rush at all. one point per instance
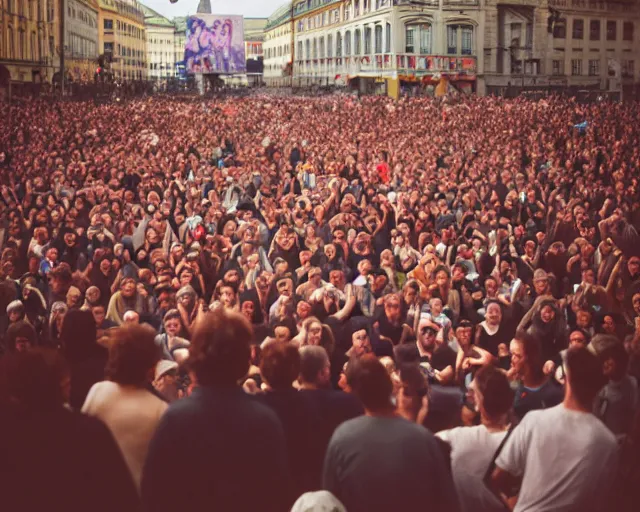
(330, 303)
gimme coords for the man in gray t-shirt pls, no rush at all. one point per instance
(381, 462)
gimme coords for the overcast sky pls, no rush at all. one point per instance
(248, 8)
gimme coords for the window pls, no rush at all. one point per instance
(357, 43)
(347, 43)
(367, 40)
(22, 44)
(628, 68)
(558, 68)
(12, 49)
(578, 29)
(627, 31)
(108, 47)
(300, 56)
(594, 67)
(321, 48)
(516, 35)
(329, 46)
(560, 29)
(33, 46)
(467, 40)
(315, 49)
(378, 39)
(612, 27)
(409, 39)
(387, 45)
(452, 39)
(108, 24)
(338, 44)
(594, 30)
(576, 67)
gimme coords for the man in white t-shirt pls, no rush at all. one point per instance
(565, 458)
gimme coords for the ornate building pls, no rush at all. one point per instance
(378, 45)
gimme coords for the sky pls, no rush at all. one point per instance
(248, 8)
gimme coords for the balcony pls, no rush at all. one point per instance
(403, 64)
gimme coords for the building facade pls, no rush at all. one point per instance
(160, 33)
(81, 39)
(122, 37)
(277, 47)
(373, 42)
(27, 41)
(556, 44)
(483, 46)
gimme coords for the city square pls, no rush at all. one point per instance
(329, 255)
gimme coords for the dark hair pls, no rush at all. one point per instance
(280, 365)
(133, 352)
(620, 357)
(313, 360)
(370, 382)
(497, 395)
(406, 353)
(20, 329)
(412, 377)
(533, 350)
(219, 353)
(585, 376)
(78, 335)
(33, 378)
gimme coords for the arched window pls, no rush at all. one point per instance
(418, 38)
(315, 48)
(329, 46)
(347, 43)
(322, 47)
(338, 44)
(357, 42)
(307, 49)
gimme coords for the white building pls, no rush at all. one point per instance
(372, 42)
(277, 47)
(160, 33)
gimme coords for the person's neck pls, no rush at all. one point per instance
(532, 381)
(310, 386)
(499, 424)
(572, 404)
(387, 412)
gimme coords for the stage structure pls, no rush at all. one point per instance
(214, 46)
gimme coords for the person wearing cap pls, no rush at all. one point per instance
(165, 380)
(542, 288)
